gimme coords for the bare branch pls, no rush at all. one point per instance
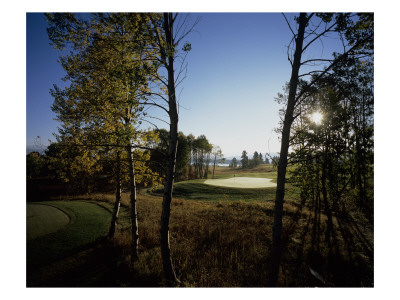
(310, 73)
(159, 119)
(320, 35)
(155, 104)
(316, 60)
(314, 30)
(174, 18)
(275, 163)
(288, 54)
(290, 27)
(156, 76)
(179, 81)
(151, 123)
(335, 62)
(186, 31)
(310, 16)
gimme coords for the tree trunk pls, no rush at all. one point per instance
(206, 167)
(280, 188)
(327, 208)
(168, 267)
(114, 217)
(132, 185)
(215, 160)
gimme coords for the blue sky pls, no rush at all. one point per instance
(42, 71)
(237, 65)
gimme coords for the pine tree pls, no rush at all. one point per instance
(244, 160)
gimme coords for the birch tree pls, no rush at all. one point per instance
(108, 69)
(169, 32)
(218, 157)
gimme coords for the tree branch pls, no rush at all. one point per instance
(156, 105)
(335, 62)
(315, 60)
(290, 27)
(319, 35)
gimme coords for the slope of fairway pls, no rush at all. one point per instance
(88, 222)
(197, 190)
(242, 182)
(43, 219)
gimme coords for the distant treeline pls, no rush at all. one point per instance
(258, 159)
(194, 156)
(80, 169)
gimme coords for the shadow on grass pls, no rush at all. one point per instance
(199, 191)
(222, 244)
(100, 264)
(341, 258)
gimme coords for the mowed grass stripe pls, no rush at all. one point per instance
(88, 222)
(43, 219)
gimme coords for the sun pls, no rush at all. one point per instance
(316, 117)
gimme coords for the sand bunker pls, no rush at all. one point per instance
(242, 182)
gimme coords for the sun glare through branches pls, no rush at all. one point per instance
(317, 117)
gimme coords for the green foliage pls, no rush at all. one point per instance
(249, 163)
(35, 165)
(335, 159)
(187, 47)
(182, 157)
(193, 157)
(260, 157)
(76, 166)
(110, 67)
(362, 29)
(245, 160)
(160, 152)
(218, 157)
(234, 163)
(257, 160)
(201, 156)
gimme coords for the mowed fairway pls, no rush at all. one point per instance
(44, 219)
(73, 224)
(242, 182)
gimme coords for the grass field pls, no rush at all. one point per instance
(219, 237)
(261, 171)
(44, 219)
(197, 190)
(87, 223)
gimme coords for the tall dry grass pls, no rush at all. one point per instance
(227, 244)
